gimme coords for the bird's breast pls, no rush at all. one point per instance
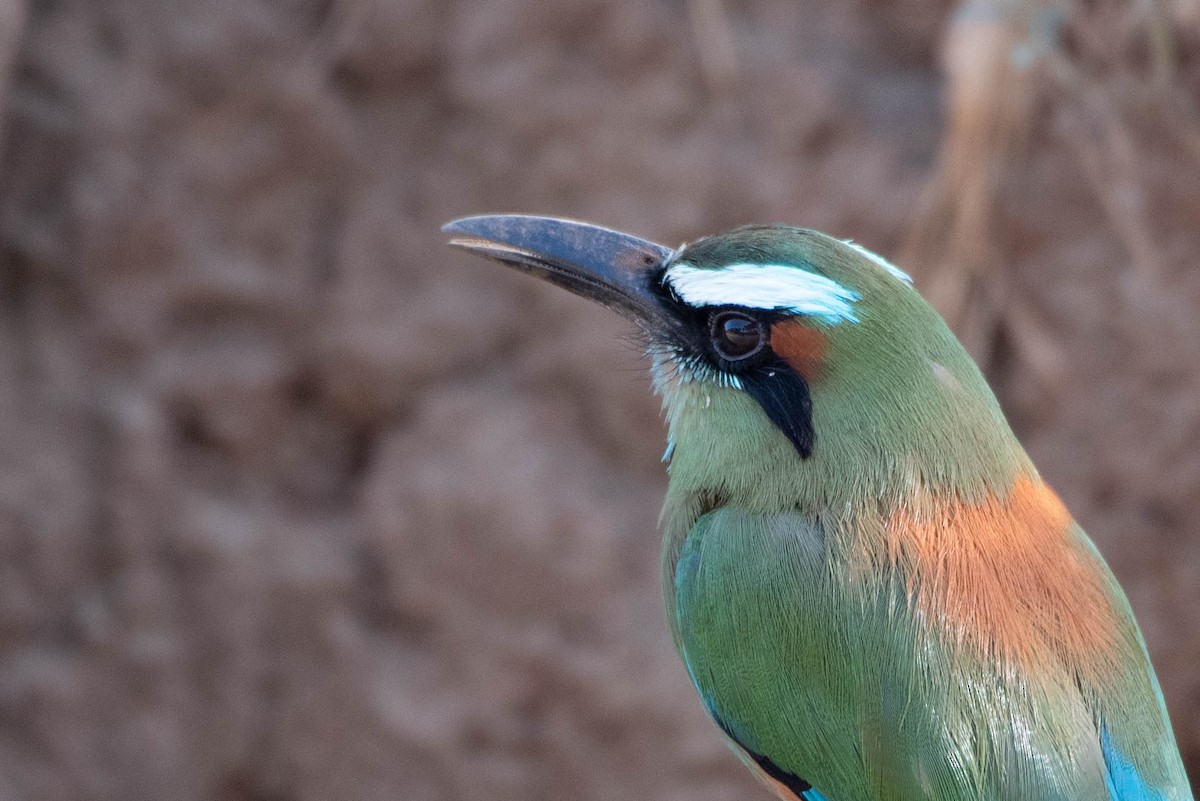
(1011, 576)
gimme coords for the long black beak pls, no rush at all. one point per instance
(607, 266)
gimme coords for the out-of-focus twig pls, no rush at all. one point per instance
(991, 56)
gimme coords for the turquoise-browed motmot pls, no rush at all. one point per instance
(873, 591)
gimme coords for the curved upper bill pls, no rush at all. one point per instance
(607, 266)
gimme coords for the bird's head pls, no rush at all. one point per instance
(797, 371)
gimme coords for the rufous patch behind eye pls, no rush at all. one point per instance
(801, 346)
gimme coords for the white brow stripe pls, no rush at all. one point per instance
(882, 262)
(764, 286)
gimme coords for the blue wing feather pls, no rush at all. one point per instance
(1124, 781)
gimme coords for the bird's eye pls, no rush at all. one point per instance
(735, 336)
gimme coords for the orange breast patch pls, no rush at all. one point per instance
(1008, 577)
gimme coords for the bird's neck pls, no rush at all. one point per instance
(939, 435)
(946, 440)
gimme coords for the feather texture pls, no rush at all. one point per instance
(862, 683)
(909, 613)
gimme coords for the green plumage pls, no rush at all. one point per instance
(874, 593)
(836, 681)
(903, 407)
(823, 664)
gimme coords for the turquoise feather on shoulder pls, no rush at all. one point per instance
(1124, 781)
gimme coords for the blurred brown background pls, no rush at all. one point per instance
(295, 503)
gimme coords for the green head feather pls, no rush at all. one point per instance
(897, 404)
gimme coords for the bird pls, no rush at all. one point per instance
(873, 591)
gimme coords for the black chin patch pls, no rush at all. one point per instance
(784, 396)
